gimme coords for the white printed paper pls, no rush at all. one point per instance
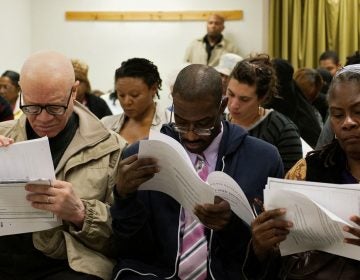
(22, 163)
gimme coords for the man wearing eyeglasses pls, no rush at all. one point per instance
(85, 157)
(150, 228)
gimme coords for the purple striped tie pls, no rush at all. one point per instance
(193, 254)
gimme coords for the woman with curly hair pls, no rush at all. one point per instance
(137, 81)
(252, 83)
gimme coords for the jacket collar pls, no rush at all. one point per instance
(218, 41)
(232, 138)
(89, 133)
(116, 122)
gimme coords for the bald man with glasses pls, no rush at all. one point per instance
(151, 229)
(85, 157)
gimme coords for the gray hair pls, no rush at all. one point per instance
(352, 68)
(347, 74)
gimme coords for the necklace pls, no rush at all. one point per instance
(258, 116)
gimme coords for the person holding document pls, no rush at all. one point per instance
(338, 162)
(152, 231)
(85, 156)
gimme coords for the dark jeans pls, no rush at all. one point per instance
(19, 260)
(43, 275)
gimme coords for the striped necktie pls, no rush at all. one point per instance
(201, 167)
(193, 253)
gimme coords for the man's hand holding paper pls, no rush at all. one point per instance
(58, 198)
(5, 141)
(354, 231)
(133, 172)
(20, 173)
(268, 230)
(215, 216)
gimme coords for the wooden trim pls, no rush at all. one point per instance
(152, 16)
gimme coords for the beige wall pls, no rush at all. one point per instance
(104, 45)
(15, 42)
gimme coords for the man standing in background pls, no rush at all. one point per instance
(208, 49)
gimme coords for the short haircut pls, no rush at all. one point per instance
(332, 55)
(139, 68)
(218, 16)
(349, 74)
(198, 81)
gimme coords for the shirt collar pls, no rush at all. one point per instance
(211, 152)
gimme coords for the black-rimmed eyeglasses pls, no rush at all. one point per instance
(49, 108)
(197, 130)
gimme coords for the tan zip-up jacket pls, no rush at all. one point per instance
(89, 164)
(196, 52)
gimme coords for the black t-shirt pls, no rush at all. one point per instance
(210, 47)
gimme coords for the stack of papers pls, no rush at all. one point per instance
(178, 178)
(22, 163)
(319, 211)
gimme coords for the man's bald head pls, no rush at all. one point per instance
(198, 81)
(47, 78)
(47, 69)
(217, 17)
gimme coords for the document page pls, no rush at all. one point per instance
(177, 176)
(227, 188)
(341, 199)
(25, 161)
(22, 163)
(319, 213)
(15, 207)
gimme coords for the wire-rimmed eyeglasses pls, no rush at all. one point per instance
(50, 108)
(197, 130)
